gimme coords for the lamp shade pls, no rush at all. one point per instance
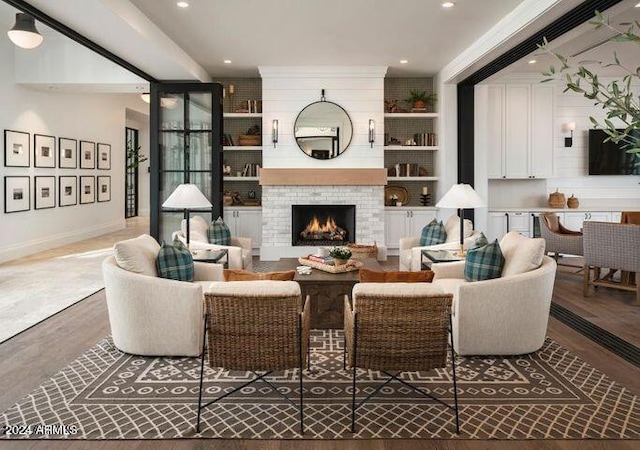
(24, 32)
(461, 196)
(187, 196)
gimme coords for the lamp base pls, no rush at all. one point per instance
(460, 253)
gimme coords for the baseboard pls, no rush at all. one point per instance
(22, 249)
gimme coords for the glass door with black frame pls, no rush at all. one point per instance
(131, 178)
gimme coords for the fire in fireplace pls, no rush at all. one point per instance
(323, 224)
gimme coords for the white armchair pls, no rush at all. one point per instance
(410, 256)
(150, 315)
(239, 252)
(501, 316)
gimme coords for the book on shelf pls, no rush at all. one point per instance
(425, 139)
(251, 170)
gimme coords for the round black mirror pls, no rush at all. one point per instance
(323, 130)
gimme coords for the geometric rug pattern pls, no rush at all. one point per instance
(106, 394)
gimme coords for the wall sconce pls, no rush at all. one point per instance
(568, 127)
(274, 132)
(372, 132)
(24, 32)
(146, 97)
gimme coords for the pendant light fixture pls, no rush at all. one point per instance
(24, 32)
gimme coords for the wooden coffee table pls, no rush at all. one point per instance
(326, 290)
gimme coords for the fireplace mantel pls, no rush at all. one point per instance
(323, 177)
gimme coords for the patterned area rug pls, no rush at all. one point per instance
(106, 394)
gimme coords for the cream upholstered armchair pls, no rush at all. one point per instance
(410, 257)
(506, 315)
(239, 252)
(149, 315)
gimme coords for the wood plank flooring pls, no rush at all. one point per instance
(29, 359)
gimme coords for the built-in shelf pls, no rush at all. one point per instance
(410, 147)
(241, 178)
(410, 115)
(241, 147)
(412, 178)
(241, 115)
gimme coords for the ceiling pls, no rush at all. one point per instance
(171, 43)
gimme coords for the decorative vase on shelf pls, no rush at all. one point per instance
(573, 202)
(556, 199)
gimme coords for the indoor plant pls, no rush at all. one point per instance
(616, 98)
(340, 255)
(420, 99)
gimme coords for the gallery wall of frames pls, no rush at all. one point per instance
(66, 171)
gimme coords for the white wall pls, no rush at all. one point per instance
(97, 118)
(287, 90)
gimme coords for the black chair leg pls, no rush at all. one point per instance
(453, 367)
(204, 341)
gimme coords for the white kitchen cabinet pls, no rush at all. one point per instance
(405, 223)
(245, 223)
(520, 131)
(497, 226)
(573, 220)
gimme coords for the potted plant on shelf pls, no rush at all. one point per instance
(420, 99)
(340, 255)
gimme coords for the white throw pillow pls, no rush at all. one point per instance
(198, 229)
(452, 227)
(138, 255)
(521, 254)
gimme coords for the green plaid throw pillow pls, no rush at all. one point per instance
(480, 241)
(219, 233)
(484, 263)
(433, 233)
(175, 262)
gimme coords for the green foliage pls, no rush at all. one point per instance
(416, 96)
(616, 98)
(134, 155)
(340, 252)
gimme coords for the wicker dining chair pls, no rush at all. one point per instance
(255, 326)
(612, 246)
(395, 328)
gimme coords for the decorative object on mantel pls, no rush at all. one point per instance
(573, 202)
(350, 266)
(556, 199)
(401, 193)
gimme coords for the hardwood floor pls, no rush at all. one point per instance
(30, 358)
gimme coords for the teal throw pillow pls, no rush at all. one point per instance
(480, 241)
(175, 262)
(484, 263)
(219, 233)
(433, 233)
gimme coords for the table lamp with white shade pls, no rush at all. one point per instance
(461, 196)
(187, 197)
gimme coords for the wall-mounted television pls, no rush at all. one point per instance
(609, 158)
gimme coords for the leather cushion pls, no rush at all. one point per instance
(379, 276)
(245, 275)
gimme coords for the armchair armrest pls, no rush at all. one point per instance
(409, 242)
(207, 272)
(448, 270)
(243, 242)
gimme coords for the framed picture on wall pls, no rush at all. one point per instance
(67, 153)
(16, 149)
(45, 192)
(16, 194)
(87, 155)
(44, 150)
(67, 191)
(104, 156)
(87, 189)
(104, 188)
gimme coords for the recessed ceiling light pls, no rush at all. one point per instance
(448, 4)
(637, 5)
(227, 61)
(182, 4)
(532, 61)
(404, 61)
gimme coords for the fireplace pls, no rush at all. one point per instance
(323, 224)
